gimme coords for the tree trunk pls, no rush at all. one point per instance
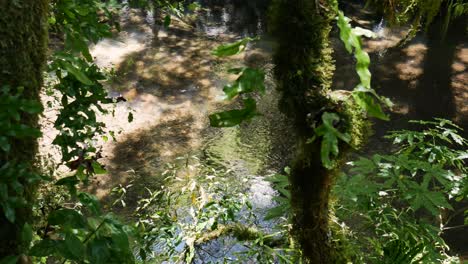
(23, 43)
(304, 69)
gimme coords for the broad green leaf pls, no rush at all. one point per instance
(277, 211)
(330, 136)
(97, 168)
(361, 94)
(26, 234)
(68, 217)
(31, 107)
(98, 251)
(74, 246)
(120, 239)
(232, 49)
(235, 117)
(193, 6)
(328, 147)
(67, 181)
(438, 199)
(9, 211)
(90, 201)
(43, 248)
(70, 182)
(79, 75)
(250, 80)
(366, 102)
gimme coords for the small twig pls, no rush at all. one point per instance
(454, 227)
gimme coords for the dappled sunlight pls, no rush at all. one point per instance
(411, 69)
(144, 153)
(460, 83)
(171, 86)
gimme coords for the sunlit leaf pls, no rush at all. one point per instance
(232, 49)
(235, 117)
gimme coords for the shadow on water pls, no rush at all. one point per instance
(240, 17)
(173, 70)
(143, 154)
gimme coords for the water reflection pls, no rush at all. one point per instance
(240, 17)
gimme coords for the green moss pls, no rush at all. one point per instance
(355, 122)
(304, 69)
(23, 43)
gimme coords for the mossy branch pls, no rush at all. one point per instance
(242, 233)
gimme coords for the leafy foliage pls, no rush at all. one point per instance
(397, 198)
(15, 107)
(232, 48)
(203, 208)
(81, 23)
(282, 185)
(363, 94)
(235, 117)
(250, 80)
(330, 136)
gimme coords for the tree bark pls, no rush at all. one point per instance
(304, 70)
(23, 44)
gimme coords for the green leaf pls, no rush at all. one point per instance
(232, 49)
(277, 211)
(4, 144)
(235, 117)
(98, 251)
(438, 199)
(79, 75)
(361, 94)
(26, 234)
(120, 239)
(167, 21)
(97, 168)
(67, 217)
(90, 201)
(31, 107)
(143, 254)
(43, 248)
(74, 246)
(329, 146)
(70, 182)
(9, 260)
(330, 136)
(366, 102)
(193, 6)
(250, 80)
(9, 211)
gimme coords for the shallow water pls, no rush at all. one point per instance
(172, 84)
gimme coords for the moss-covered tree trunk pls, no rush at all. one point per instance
(23, 42)
(304, 68)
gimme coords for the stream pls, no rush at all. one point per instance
(172, 83)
